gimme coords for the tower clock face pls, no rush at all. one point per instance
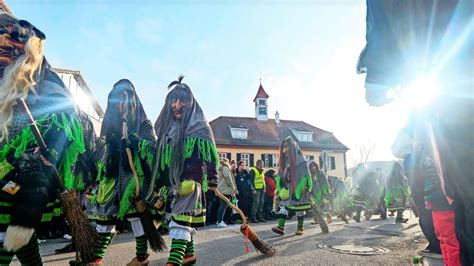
(262, 110)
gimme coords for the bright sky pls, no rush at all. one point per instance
(305, 52)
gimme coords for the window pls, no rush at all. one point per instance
(222, 155)
(246, 158)
(275, 159)
(266, 160)
(305, 136)
(330, 162)
(262, 102)
(262, 110)
(239, 133)
(309, 157)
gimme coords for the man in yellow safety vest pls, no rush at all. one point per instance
(257, 183)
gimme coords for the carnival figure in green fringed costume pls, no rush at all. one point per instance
(294, 185)
(341, 198)
(397, 192)
(368, 194)
(321, 191)
(27, 187)
(114, 198)
(186, 165)
(85, 171)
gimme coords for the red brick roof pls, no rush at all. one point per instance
(268, 134)
(261, 93)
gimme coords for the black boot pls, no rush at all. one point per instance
(368, 215)
(400, 218)
(254, 220)
(344, 218)
(356, 217)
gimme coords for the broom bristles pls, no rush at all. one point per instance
(156, 241)
(83, 234)
(259, 244)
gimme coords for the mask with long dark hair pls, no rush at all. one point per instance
(293, 165)
(123, 105)
(172, 130)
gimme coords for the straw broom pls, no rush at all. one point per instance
(260, 245)
(157, 243)
(83, 234)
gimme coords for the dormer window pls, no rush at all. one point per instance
(239, 133)
(262, 102)
(303, 136)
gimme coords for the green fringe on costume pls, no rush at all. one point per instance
(342, 200)
(206, 150)
(318, 195)
(129, 194)
(396, 194)
(125, 205)
(145, 152)
(72, 128)
(305, 182)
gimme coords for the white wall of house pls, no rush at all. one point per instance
(338, 169)
(82, 100)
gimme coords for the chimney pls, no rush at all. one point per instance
(277, 118)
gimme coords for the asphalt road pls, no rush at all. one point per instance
(227, 246)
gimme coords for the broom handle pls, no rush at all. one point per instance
(226, 200)
(130, 160)
(39, 138)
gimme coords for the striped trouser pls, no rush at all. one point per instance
(27, 255)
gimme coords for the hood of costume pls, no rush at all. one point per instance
(123, 93)
(177, 138)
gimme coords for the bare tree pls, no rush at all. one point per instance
(364, 151)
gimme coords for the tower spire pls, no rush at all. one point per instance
(261, 103)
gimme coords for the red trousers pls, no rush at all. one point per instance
(444, 227)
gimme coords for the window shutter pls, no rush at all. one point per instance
(239, 157)
(270, 160)
(229, 156)
(251, 160)
(321, 162)
(333, 163)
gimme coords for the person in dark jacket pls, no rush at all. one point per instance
(396, 33)
(244, 191)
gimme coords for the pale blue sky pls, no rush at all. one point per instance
(304, 51)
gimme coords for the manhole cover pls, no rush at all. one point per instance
(354, 250)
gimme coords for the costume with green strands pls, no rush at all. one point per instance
(114, 195)
(368, 191)
(86, 167)
(186, 163)
(396, 189)
(53, 109)
(342, 200)
(294, 182)
(321, 189)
